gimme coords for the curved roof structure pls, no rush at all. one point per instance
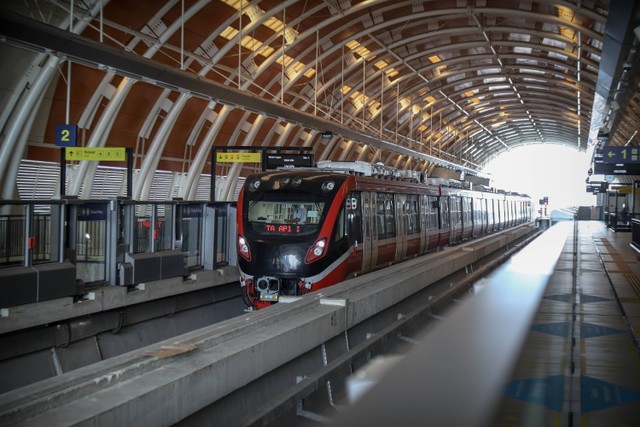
(412, 84)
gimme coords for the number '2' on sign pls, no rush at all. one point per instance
(66, 135)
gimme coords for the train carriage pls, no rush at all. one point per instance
(300, 230)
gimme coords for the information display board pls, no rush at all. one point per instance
(101, 154)
(274, 161)
(238, 157)
(66, 135)
(621, 155)
(602, 168)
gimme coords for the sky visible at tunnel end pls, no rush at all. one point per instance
(555, 171)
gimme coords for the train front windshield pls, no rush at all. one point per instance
(284, 218)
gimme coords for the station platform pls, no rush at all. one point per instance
(581, 361)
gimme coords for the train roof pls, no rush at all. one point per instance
(340, 169)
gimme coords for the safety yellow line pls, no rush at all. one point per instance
(624, 267)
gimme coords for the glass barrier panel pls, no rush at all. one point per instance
(12, 236)
(192, 233)
(42, 233)
(91, 242)
(221, 236)
(163, 233)
(142, 232)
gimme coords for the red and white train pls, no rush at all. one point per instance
(300, 230)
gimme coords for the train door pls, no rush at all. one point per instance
(354, 229)
(401, 225)
(412, 226)
(467, 218)
(444, 221)
(432, 223)
(424, 221)
(455, 212)
(370, 235)
(490, 216)
(485, 217)
(385, 224)
(476, 207)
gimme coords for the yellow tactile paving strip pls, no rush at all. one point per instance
(622, 267)
(580, 365)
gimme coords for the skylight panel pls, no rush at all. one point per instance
(274, 24)
(362, 51)
(520, 37)
(229, 33)
(554, 43)
(522, 49)
(560, 57)
(484, 71)
(531, 71)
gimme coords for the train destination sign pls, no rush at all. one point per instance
(100, 154)
(621, 155)
(237, 157)
(283, 228)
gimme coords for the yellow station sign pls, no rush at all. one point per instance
(238, 157)
(104, 154)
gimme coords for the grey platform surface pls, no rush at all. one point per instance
(580, 364)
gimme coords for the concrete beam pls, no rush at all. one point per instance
(108, 298)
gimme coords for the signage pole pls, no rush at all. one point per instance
(63, 171)
(129, 173)
(212, 196)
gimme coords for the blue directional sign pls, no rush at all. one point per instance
(66, 135)
(621, 154)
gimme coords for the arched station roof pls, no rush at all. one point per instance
(412, 84)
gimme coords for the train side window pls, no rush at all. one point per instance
(444, 212)
(456, 211)
(390, 217)
(432, 212)
(412, 214)
(467, 213)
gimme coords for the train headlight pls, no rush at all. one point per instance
(317, 251)
(243, 248)
(296, 181)
(319, 248)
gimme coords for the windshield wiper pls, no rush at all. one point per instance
(252, 203)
